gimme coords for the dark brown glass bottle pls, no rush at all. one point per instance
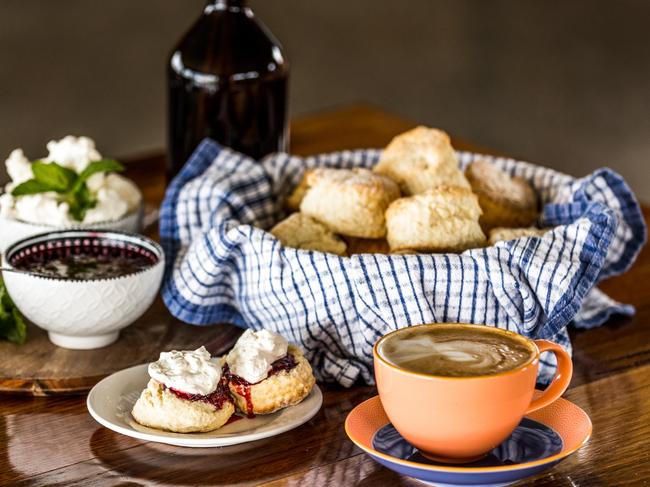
(228, 80)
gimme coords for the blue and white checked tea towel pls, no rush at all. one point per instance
(224, 267)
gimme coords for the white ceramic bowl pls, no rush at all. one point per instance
(12, 230)
(83, 314)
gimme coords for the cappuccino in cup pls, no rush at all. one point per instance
(455, 391)
(455, 351)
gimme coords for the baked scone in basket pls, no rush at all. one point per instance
(442, 219)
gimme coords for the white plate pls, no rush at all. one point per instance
(111, 400)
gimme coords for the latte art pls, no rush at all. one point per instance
(455, 351)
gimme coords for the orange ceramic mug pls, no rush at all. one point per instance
(460, 419)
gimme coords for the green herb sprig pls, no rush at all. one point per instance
(72, 188)
(12, 324)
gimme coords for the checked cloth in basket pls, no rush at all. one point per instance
(223, 266)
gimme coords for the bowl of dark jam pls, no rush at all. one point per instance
(81, 286)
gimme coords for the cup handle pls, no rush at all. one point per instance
(560, 380)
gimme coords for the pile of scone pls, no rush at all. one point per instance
(190, 391)
(415, 200)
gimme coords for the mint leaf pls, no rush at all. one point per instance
(12, 323)
(104, 165)
(17, 334)
(31, 186)
(6, 303)
(58, 177)
(80, 202)
(72, 187)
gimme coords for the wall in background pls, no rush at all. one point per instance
(562, 84)
(80, 67)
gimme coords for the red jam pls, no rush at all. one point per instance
(218, 398)
(234, 418)
(284, 364)
(243, 387)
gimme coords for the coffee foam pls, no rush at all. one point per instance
(455, 351)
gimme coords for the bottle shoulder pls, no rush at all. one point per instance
(228, 44)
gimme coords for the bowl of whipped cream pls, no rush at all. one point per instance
(73, 187)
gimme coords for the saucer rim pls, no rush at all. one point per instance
(464, 470)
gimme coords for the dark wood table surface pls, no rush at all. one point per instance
(54, 441)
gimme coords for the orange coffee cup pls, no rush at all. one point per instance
(460, 419)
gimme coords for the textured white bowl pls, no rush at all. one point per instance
(84, 314)
(12, 230)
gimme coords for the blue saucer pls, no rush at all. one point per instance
(541, 440)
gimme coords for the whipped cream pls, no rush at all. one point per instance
(253, 354)
(73, 152)
(116, 195)
(187, 371)
(18, 167)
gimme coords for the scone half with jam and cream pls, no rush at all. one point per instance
(187, 393)
(265, 373)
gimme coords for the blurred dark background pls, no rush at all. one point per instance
(565, 84)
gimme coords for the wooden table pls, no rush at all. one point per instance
(53, 441)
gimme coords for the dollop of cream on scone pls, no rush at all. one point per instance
(192, 372)
(421, 159)
(187, 393)
(254, 353)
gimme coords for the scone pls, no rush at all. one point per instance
(421, 159)
(506, 201)
(444, 219)
(265, 373)
(350, 202)
(188, 392)
(162, 408)
(500, 234)
(298, 193)
(289, 382)
(303, 232)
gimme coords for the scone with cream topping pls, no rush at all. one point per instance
(421, 159)
(265, 373)
(303, 232)
(444, 219)
(187, 393)
(506, 201)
